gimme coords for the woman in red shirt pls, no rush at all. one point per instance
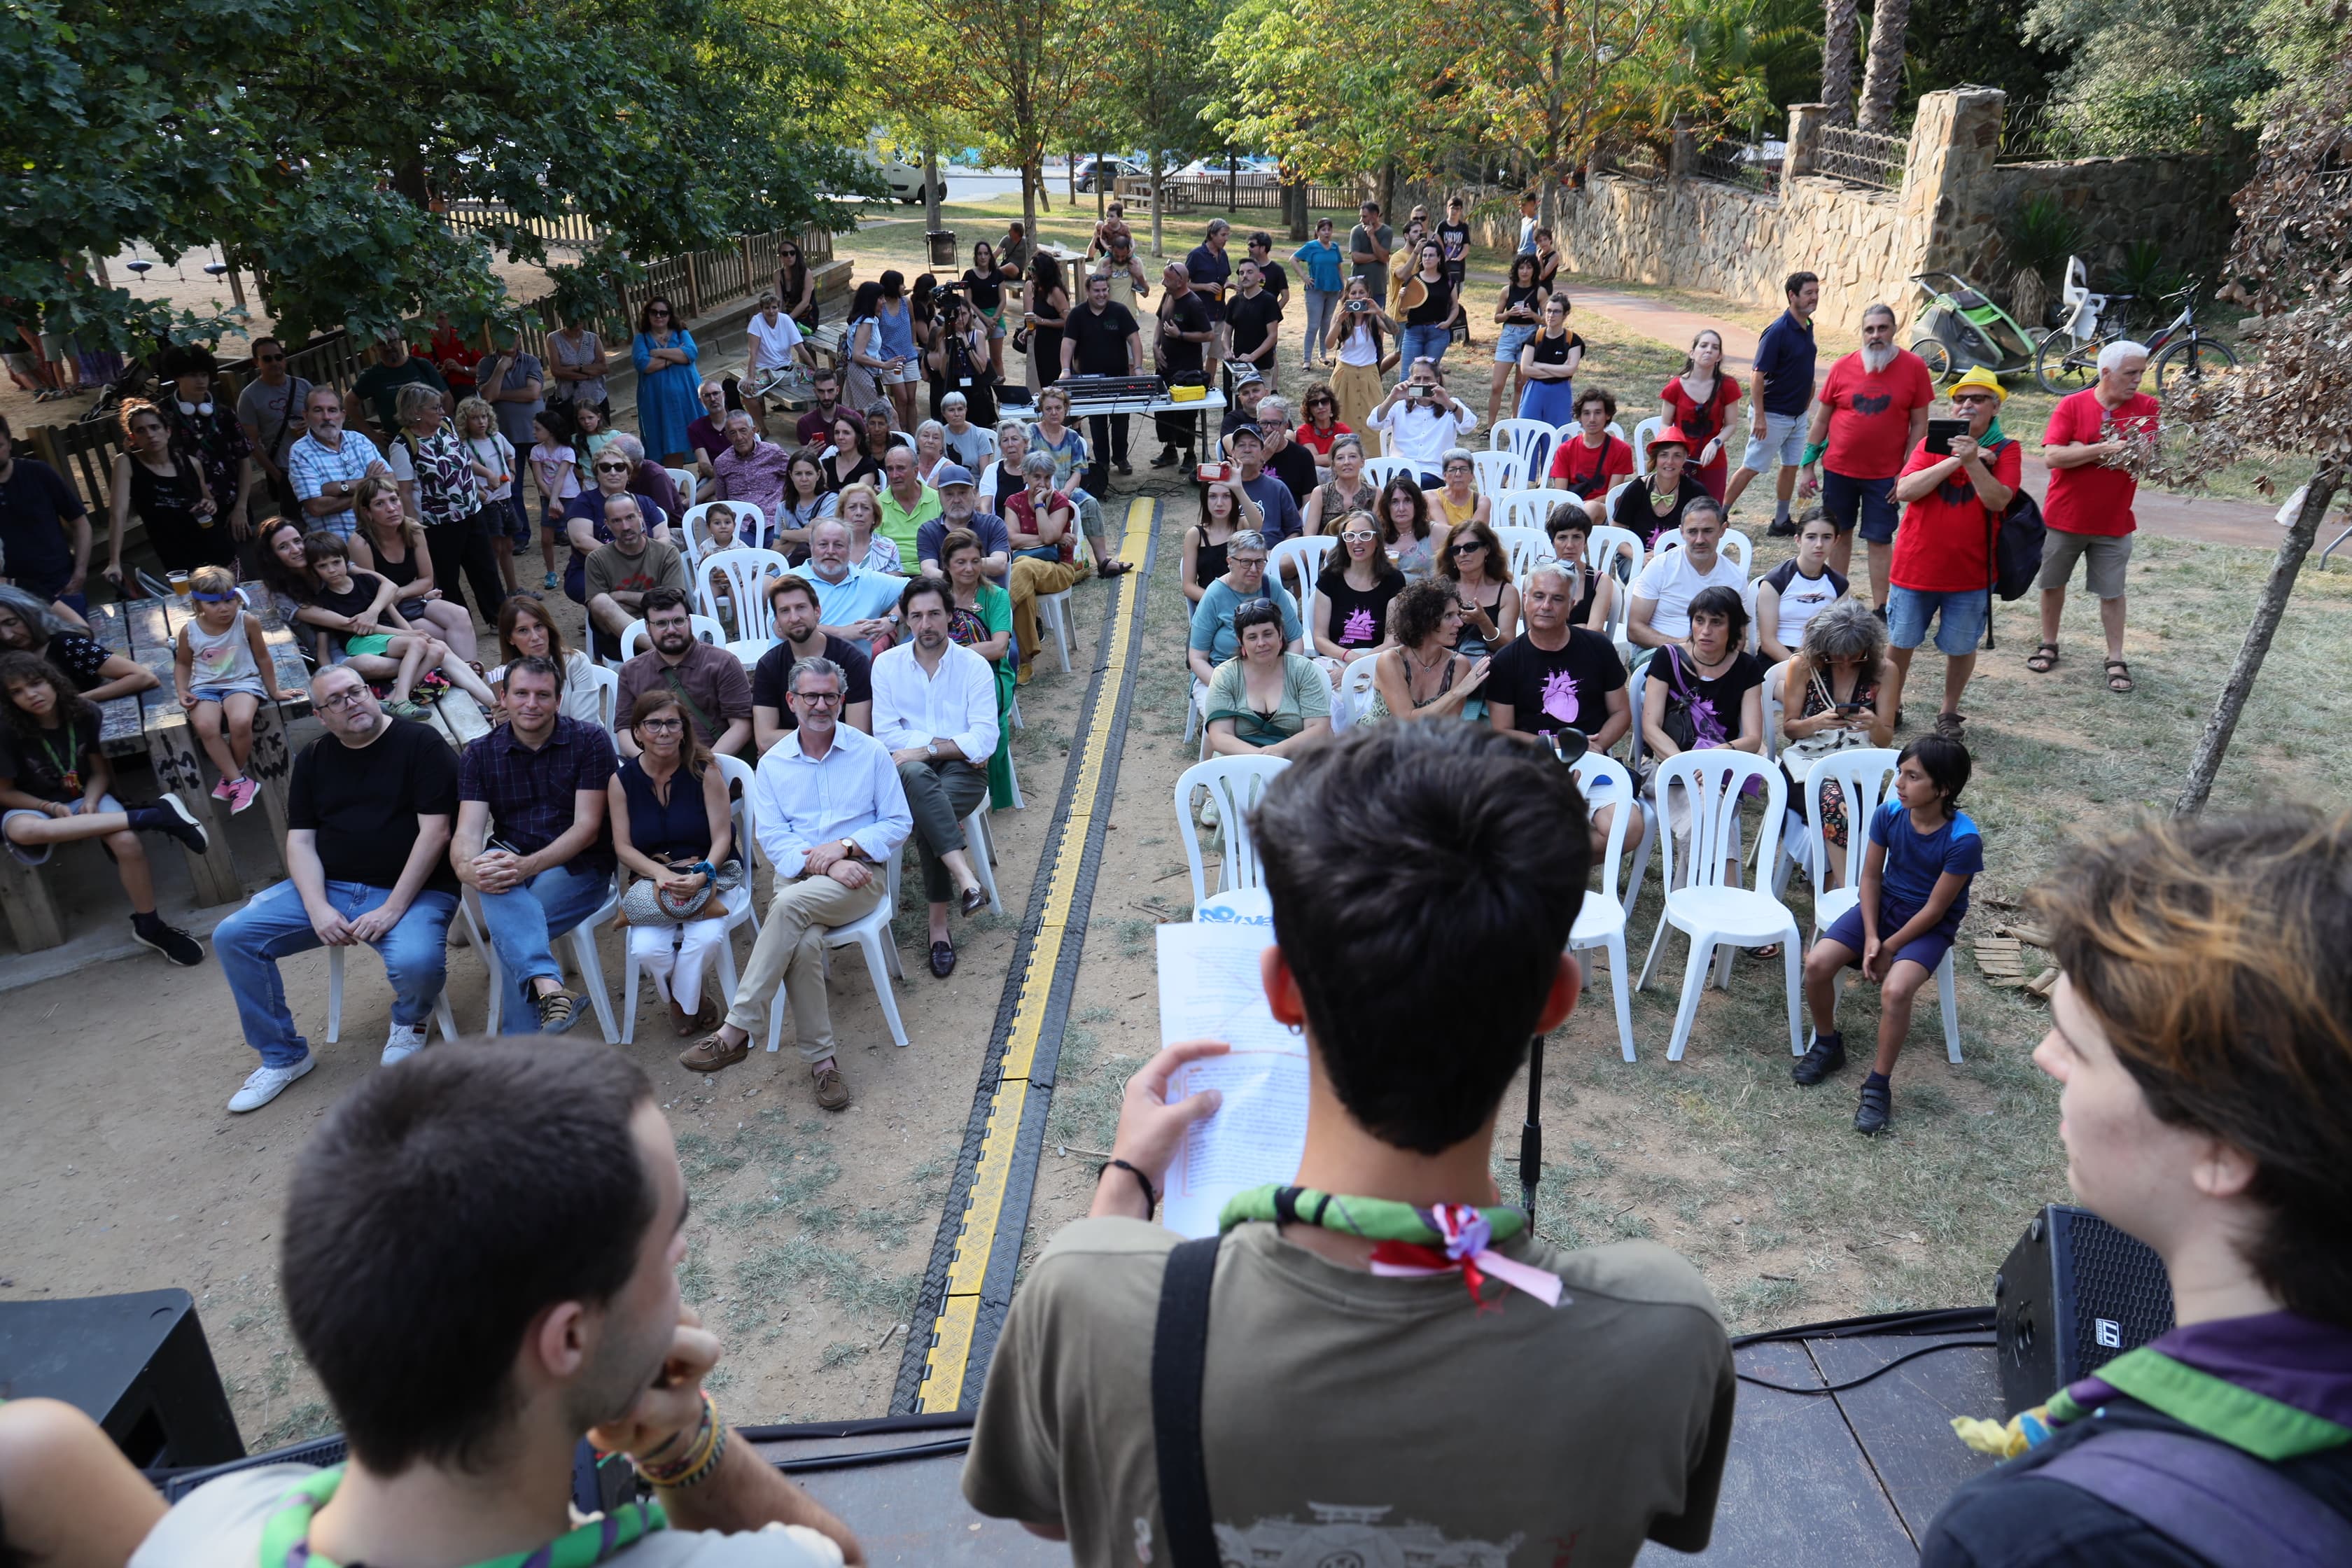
(1700, 401)
(1319, 423)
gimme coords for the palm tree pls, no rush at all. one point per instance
(1840, 26)
(1884, 79)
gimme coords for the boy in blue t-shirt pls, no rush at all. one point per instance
(1924, 851)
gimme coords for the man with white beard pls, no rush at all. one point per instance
(1869, 415)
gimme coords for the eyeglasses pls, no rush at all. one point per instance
(1468, 547)
(611, 468)
(270, 359)
(661, 724)
(346, 698)
(1358, 536)
(817, 699)
(1246, 562)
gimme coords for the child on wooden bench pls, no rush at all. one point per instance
(223, 672)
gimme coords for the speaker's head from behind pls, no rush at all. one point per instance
(482, 1241)
(1424, 878)
(2203, 1033)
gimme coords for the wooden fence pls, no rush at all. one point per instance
(1206, 194)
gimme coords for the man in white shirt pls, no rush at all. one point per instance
(829, 812)
(1421, 419)
(772, 341)
(935, 708)
(1660, 611)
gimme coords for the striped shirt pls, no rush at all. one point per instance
(311, 465)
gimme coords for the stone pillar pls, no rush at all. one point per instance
(1682, 160)
(1805, 123)
(1946, 209)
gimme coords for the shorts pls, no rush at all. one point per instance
(1784, 434)
(222, 693)
(1870, 500)
(518, 519)
(904, 373)
(1928, 952)
(364, 647)
(36, 854)
(1514, 336)
(2105, 556)
(1960, 616)
(995, 320)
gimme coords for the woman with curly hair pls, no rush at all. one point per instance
(1421, 677)
(1413, 541)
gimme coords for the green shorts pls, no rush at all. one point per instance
(355, 647)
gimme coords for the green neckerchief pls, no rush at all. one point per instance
(1374, 1219)
(2240, 1417)
(285, 1539)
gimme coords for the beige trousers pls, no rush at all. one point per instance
(791, 952)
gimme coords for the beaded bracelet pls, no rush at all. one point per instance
(701, 1455)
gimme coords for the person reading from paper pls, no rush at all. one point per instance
(1383, 1334)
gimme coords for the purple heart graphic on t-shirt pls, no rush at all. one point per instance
(1560, 699)
(1878, 404)
(1359, 628)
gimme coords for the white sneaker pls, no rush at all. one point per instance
(404, 1041)
(268, 1083)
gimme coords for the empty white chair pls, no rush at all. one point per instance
(608, 683)
(979, 848)
(1304, 555)
(1532, 440)
(1497, 473)
(738, 906)
(1234, 784)
(1525, 548)
(1608, 541)
(1712, 907)
(685, 482)
(1866, 774)
(1530, 510)
(1642, 434)
(705, 629)
(739, 578)
(442, 1012)
(749, 651)
(1600, 918)
(581, 939)
(1379, 471)
(1733, 544)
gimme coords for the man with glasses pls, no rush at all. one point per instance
(271, 410)
(829, 810)
(368, 814)
(1213, 641)
(617, 576)
(1942, 569)
(707, 679)
(533, 842)
(1283, 457)
(327, 462)
(1871, 411)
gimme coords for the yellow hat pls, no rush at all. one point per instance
(1979, 376)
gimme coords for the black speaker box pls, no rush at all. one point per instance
(137, 1365)
(2074, 1294)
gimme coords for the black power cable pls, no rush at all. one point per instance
(1857, 1383)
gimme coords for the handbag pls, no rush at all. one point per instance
(647, 903)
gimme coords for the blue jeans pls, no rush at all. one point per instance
(1423, 342)
(1321, 303)
(524, 924)
(273, 925)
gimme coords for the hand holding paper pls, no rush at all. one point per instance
(1151, 1129)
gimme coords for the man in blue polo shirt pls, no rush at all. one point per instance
(1783, 395)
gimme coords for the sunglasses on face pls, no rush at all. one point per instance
(1468, 547)
(1968, 401)
(611, 468)
(271, 359)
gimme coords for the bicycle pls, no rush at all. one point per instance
(2064, 364)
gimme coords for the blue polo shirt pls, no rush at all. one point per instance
(1784, 358)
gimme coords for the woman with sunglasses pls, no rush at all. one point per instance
(1319, 426)
(1353, 596)
(795, 286)
(665, 355)
(1475, 563)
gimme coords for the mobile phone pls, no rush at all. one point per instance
(1850, 708)
(1355, 305)
(1941, 433)
(1209, 473)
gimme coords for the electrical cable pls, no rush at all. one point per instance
(1857, 1383)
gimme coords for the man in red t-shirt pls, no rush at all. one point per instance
(1871, 411)
(2089, 512)
(1942, 569)
(1589, 470)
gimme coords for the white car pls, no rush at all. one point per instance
(905, 179)
(1246, 171)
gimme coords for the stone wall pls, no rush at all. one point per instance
(2180, 200)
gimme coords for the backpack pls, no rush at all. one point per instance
(2016, 546)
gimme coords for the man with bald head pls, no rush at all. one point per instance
(1185, 330)
(368, 814)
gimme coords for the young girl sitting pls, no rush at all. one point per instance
(358, 627)
(56, 787)
(556, 466)
(223, 670)
(1924, 851)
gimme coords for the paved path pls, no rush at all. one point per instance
(2160, 512)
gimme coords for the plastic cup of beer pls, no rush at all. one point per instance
(179, 581)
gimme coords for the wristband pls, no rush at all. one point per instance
(1813, 450)
(1151, 1194)
(700, 1457)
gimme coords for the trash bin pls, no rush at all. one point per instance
(943, 245)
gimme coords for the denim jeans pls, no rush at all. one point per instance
(1422, 343)
(1321, 303)
(273, 925)
(524, 923)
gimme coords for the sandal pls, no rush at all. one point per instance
(1947, 725)
(1115, 568)
(2042, 659)
(2119, 682)
(1769, 952)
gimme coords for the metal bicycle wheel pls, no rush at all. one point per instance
(1938, 355)
(2061, 365)
(2191, 359)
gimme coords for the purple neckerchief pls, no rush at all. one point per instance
(2297, 1361)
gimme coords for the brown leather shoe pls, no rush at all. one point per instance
(832, 1090)
(710, 1053)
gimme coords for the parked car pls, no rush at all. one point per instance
(1246, 171)
(1114, 170)
(904, 179)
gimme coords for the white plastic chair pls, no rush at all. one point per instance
(871, 935)
(685, 482)
(1532, 440)
(1379, 471)
(1642, 434)
(749, 651)
(1530, 510)
(742, 575)
(2083, 307)
(1600, 921)
(1525, 548)
(1234, 784)
(581, 939)
(1055, 617)
(442, 1012)
(1308, 552)
(1606, 547)
(705, 629)
(1497, 473)
(1733, 544)
(738, 904)
(979, 848)
(608, 683)
(688, 535)
(1866, 775)
(1355, 692)
(1712, 910)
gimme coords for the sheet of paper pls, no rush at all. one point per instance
(1210, 989)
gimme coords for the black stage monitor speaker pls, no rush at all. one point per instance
(137, 1365)
(2074, 1294)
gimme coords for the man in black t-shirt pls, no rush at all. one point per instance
(1557, 677)
(1255, 320)
(1278, 281)
(1210, 271)
(1286, 459)
(1185, 331)
(368, 813)
(1103, 339)
(794, 604)
(1454, 234)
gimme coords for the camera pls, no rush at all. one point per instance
(946, 297)
(1355, 306)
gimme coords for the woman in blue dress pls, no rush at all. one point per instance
(893, 328)
(666, 383)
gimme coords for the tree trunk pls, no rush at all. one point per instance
(1030, 180)
(2223, 722)
(1388, 191)
(1102, 185)
(1882, 84)
(930, 190)
(1158, 162)
(1841, 30)
(1072, 171)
